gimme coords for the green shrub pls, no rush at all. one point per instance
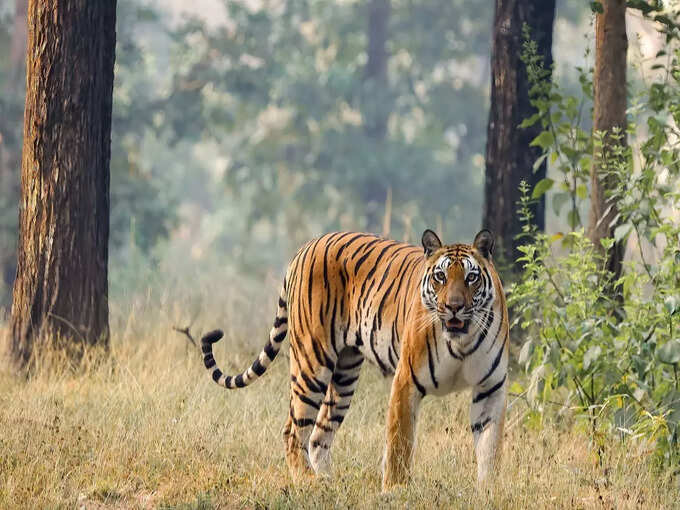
(613, 359)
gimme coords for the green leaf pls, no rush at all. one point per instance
(607, 242)
(558, 200)
(669, 352)
(544, 140)
(541, 187)
(539, 161)
(596, 7)
(582, 191)
(671, 304)
(573, 218)
(591, 356)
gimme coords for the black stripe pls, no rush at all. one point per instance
(495, 363)
(314, 384)
(394, 340)
(206, 348)
(311, 282)
(238, 381)
(345, 394)
(323, 427)
(342, 248)
(282, 303)
(455, 355)
(270, 351)
(280, 320)
(489, 392)
(280, 337)
(373, 339)
(340, 236)
(482, 334)
(209, 361)
(342, 407)
(420, 387)
(258, 368)
(352, 365)
(325, 265)
(302, 422)
(338, 418)
(216, 374)
(306, 400)
(339, 381)
(479, 426)
(332, 326)
(430, 361)
(365, 248)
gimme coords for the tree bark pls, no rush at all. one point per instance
(609, 113)
(61, 289)
(509, 158)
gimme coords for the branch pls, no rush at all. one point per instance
(187, 333)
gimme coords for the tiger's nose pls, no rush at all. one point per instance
(455, 304)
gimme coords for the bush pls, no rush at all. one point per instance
(609, 347)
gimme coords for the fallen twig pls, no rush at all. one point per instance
(187, 333)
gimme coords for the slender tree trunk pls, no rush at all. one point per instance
(376, 108)
(609, 113)
(376, 100)
(509, 158)
(10, 140)
(61, 289)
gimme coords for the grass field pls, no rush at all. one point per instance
(147, 428)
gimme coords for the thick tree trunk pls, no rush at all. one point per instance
(61, 289)
(509, 158)
(609, 112)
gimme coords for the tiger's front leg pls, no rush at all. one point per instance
(487, 416)
(402, 412)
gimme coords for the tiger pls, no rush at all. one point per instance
(433, 318)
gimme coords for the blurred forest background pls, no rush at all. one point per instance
(242, 129)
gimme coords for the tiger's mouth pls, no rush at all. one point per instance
(455, 325)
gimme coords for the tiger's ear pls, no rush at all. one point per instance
(431, 242)
(484, 243)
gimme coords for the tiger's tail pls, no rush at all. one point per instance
(276, 336)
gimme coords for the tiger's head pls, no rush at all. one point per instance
(457, 282)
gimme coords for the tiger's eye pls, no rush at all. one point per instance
(439, 276)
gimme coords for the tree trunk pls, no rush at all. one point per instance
(509, 158)
(376, 109)
(609, 112)
(376, 100)
(10, 140)
(61, 289)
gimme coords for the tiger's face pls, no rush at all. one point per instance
(457, 284)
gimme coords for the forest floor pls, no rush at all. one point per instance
(147, 428)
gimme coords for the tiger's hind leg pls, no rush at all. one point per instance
(310, 379)
(334, 407)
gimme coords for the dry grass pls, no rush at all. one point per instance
(147, 428)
